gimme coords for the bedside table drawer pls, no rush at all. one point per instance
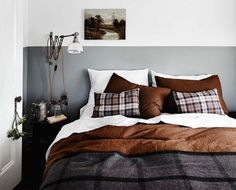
(47, 131)
(44, 134)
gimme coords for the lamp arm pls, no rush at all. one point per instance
(64, 36)
(54, 45)
(75, 34)
(59, 47)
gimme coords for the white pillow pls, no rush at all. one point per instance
(86, 111)
(100, 78)
(184, 77)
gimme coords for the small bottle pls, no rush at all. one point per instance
(57, 110)
(42, 111)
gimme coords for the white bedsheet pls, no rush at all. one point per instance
(86, 123)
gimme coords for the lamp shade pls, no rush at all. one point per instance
(75, 47)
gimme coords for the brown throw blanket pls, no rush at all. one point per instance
(142, 139)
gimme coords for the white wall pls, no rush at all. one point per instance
(149, 22)
(25, 22)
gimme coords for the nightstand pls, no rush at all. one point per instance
(232, 114)
(43, 135)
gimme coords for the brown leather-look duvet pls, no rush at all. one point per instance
(143, 156)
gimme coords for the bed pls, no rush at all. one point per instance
(158, 150)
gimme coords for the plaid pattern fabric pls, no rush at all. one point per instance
(163, 170)
(198, 102)
(125, 103)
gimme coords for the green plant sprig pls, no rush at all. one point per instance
(14, 132)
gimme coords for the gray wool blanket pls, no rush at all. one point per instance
(160, 170)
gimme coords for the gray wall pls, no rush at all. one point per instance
(171, 60)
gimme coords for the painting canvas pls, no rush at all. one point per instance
(105, 24)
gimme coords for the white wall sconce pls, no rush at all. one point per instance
(54, 45)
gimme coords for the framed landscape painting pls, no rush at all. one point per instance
(105, 24)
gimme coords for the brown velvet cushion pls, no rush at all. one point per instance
(189, 86)
(151, 99)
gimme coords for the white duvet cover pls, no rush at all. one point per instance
(86, 123)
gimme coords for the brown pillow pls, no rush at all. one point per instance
(189, 86)
(151, 99)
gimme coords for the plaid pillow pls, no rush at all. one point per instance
(125, 103)
(198, 102)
